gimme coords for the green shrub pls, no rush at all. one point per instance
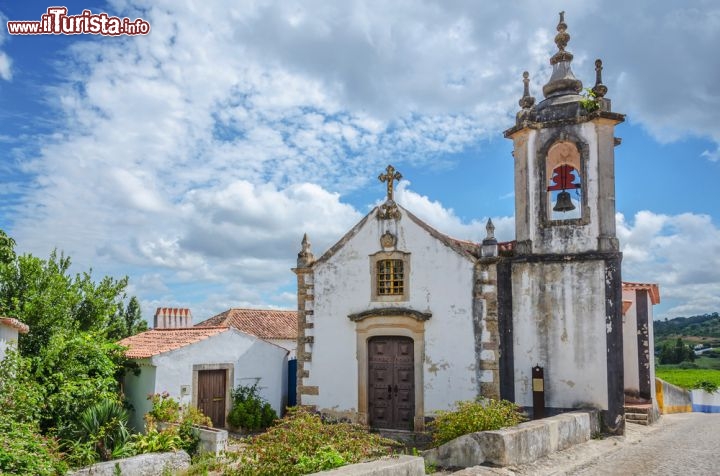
(709, 387)
(301, 443)
(250, 412)
(164, 407)
(104, 427)
(179, 433)
(154, 441)
(473, 416)
(24, 451)
(325, 458)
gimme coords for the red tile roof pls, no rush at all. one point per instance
(15, 324)
(263, 323)
(156, 341)
(652, 288)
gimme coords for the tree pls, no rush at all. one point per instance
(67, 362)
(128, 321)
(44, 295)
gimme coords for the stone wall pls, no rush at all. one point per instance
(671, 398)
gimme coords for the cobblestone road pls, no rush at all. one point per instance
(686, 444)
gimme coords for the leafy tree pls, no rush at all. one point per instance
(75, 370)
(23, 450)
(128, 321)
(7, 248)
(66, 363)
(677, 354)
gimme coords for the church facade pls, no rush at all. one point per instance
(397, 320)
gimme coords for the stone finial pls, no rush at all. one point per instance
(490, 228)
(305, 257)
(599, 89)
(562, 81)
(527, 101)
(563, 37)
(489, 248)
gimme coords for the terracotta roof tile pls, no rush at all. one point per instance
(158, 341)
(15, 324)
(263, 323)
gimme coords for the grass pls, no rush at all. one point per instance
(687, 378)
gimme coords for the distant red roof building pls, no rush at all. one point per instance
(158, 341)
(651, 288)
(15, 324)
(262, 323)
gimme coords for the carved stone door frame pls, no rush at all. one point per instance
(407, 325)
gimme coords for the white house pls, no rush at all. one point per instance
(638, 341)
(10, 328)
(200, 366)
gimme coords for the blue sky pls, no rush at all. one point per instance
(194, 158)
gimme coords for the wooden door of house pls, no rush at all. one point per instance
(391, 386)
(211, 395)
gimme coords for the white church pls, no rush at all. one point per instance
(397, 320)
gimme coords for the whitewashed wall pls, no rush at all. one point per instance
(556, 325)
(253, 360)
(287, 344)
(630, 348)
(137, 388)
(8, 337)
(440, 282)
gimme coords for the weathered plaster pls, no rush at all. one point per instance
(441, 276)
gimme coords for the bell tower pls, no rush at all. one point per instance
(561, 308)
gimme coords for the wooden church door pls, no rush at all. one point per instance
(391, 386)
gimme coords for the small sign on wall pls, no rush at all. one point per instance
(538, 387)
(184, 390)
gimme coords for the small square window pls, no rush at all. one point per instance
(390, 277)
(390, 274)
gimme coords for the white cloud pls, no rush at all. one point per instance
(680, 252)
(202, 152)
(446, 221)
(5, 61)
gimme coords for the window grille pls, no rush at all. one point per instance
(390, 277)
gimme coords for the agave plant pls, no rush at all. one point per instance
(104, 425)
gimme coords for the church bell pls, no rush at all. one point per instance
(564, 203)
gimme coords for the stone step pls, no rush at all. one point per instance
(636, 416)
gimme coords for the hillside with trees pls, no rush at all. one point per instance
(703, 329)
(676, 343)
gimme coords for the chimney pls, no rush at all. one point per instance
(172, 318)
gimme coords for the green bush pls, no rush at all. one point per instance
(301, 443)
(24, 451)
(474, 416)
(104, 427)
(709, 387)
(154, 441)
(250, 412)
(164, 407)
(179, 433)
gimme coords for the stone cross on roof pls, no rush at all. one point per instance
(390, 176)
